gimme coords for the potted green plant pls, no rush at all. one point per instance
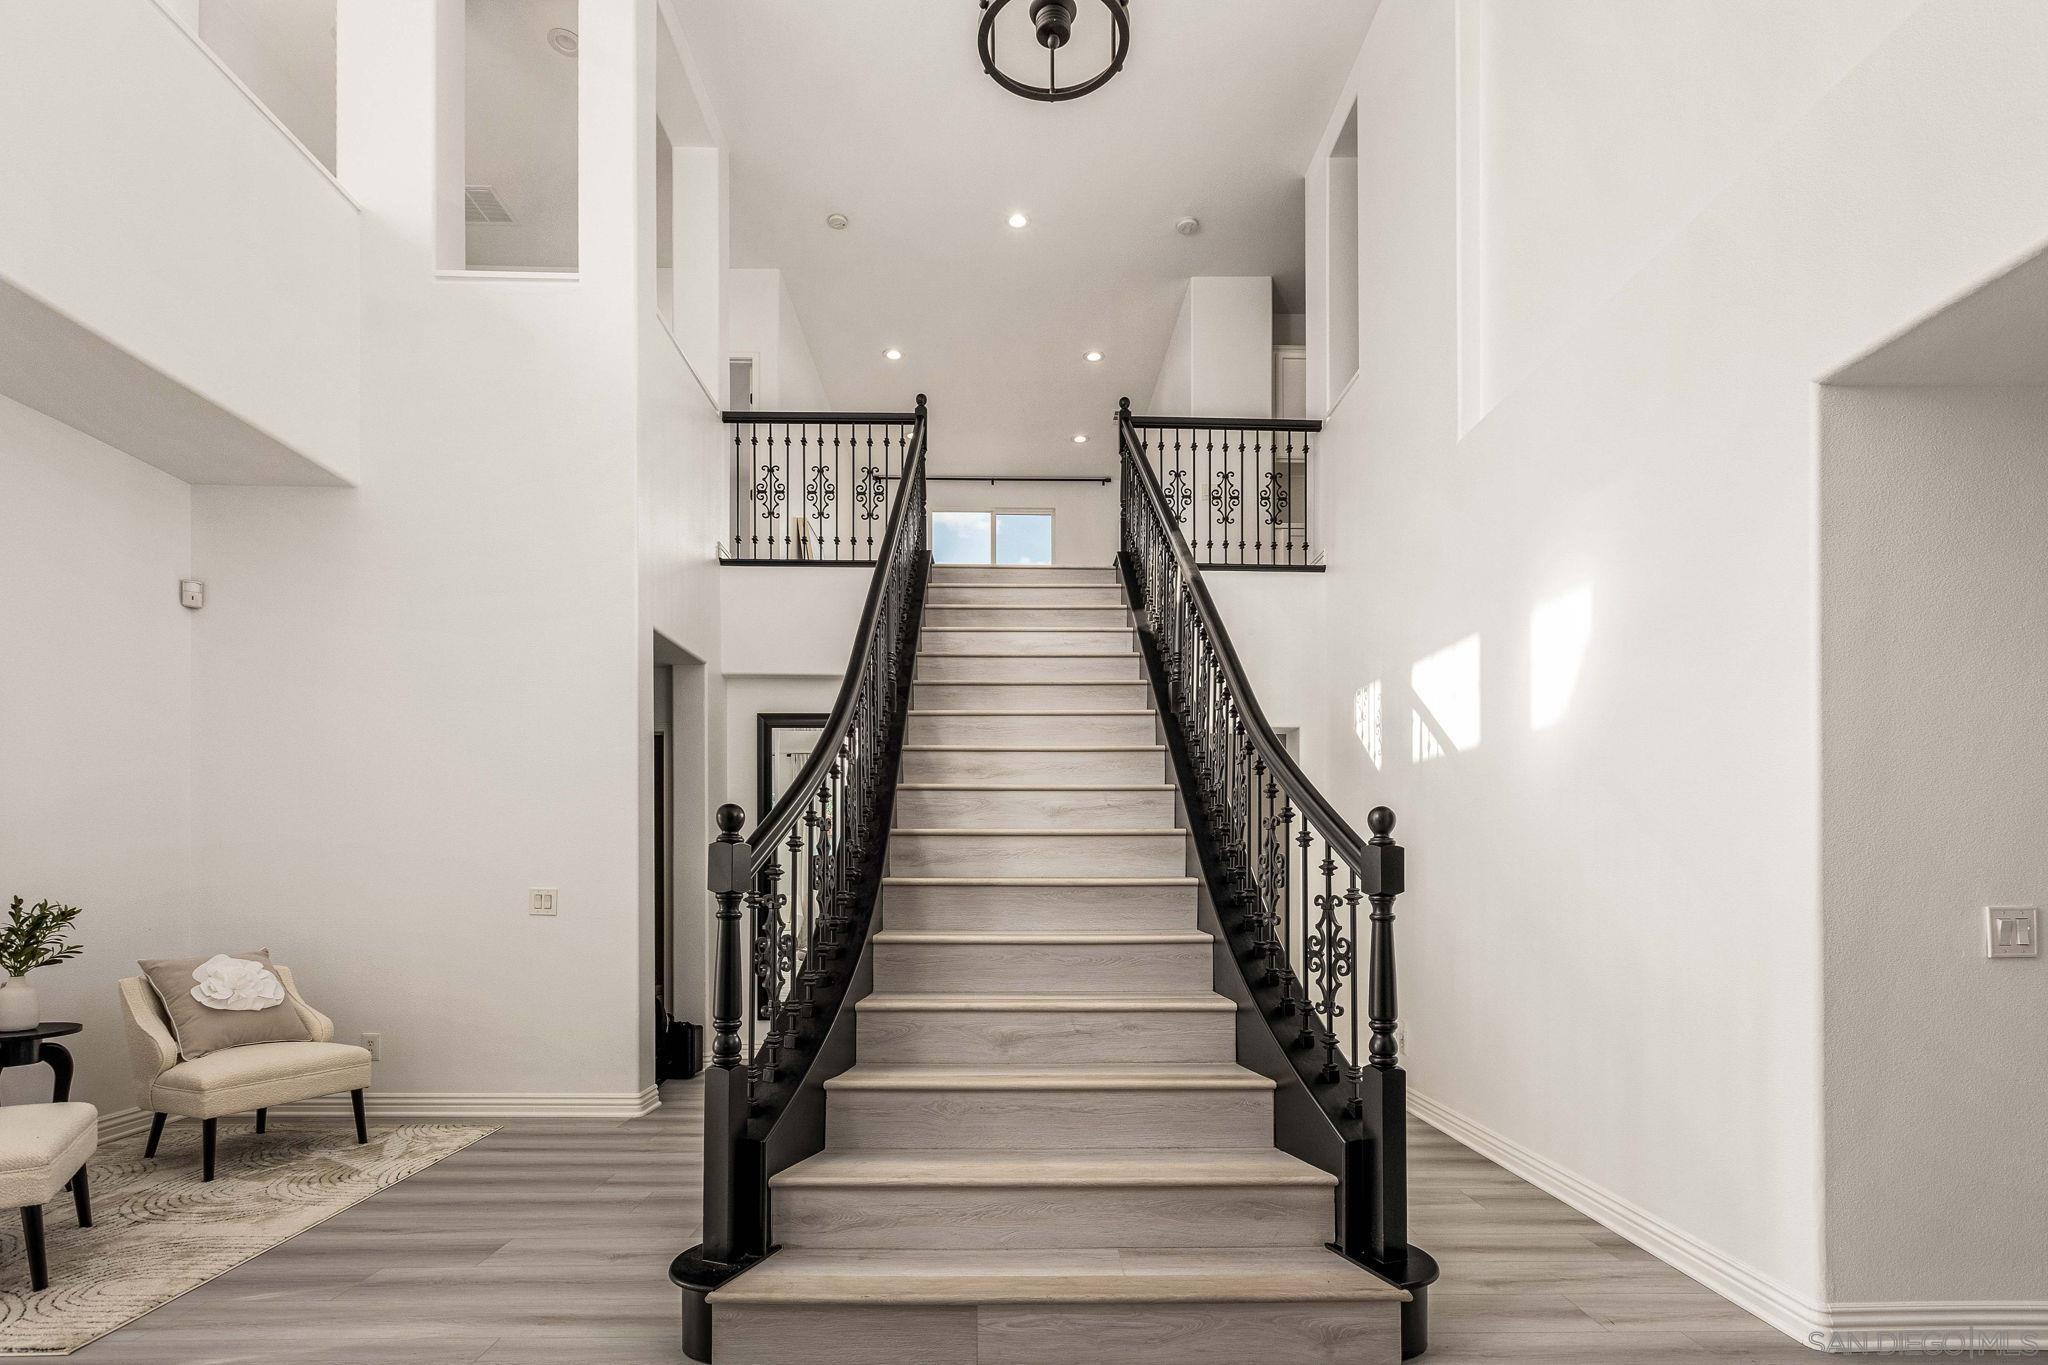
(32, 937)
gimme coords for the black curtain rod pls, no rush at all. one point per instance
(1018, 478)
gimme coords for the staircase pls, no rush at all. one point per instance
(1045, 1150)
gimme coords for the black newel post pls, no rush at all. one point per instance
(735, 1187)
(1373, 1207)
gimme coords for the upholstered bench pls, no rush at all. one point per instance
(43, 1147)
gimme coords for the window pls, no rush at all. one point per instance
(992, 537)
(1342, 245)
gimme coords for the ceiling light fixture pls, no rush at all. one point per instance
(1052, 22)
(1018, 220)
(1093, 357)
(836, 221)
(1188, 226)
(892, 354)
(1081, 439)
(564, 41)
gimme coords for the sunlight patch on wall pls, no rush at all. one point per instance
(1365, 720)
(1446, 687)
(1559, 630)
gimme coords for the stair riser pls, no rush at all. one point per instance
(1043, 969)
(1031, 696)
(1040, 809)
(1042, 1037)
(1037, 855)
(1039, 909)
(1085, 668)
(991, 728)
(1060, 1334)
(1053, 768)
(1058, 594)
(980, 641)
(1061, 1120)
(955, 575)
(1141, 1217)
(1068, 618)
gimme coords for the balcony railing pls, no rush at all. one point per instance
(814, 487)
(1238, 489)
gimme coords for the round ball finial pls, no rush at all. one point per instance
(1123, 405)
(1380, 821)
(731, 818)
(920, 401)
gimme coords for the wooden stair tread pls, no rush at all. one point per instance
(1040, 832)
(916, 711)
(997, 1002)
(1036, 748)
(1048, 939)
(1121, 1077)
(1033, 787)
(1038, 881)
(797, 1275)
(1174, 1167)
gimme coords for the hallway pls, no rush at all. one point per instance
(550, 1241)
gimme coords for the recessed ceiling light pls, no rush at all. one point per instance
(836, 221)
(892, 354)
(563, 40)
(1093, 357)
(1081, 439)
(1018, 220)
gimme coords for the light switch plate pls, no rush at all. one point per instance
(2012, 930)
(542, 900)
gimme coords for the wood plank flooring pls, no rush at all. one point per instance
(550, 1242)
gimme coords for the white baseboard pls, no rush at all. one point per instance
(431, 1104)
(1894, 1328)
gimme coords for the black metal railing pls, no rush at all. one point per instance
(1238, 490)
(794, 899)
(1287, 877)
(814, 487)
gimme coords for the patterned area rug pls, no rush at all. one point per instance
(158, 1230)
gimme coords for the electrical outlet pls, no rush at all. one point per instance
(542, 900)
(2012, 931)
(373, 1043)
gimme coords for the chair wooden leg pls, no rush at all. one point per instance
(81, 1198)
(156, 1133)
(32, 1236)
(355, 1099)
(261, 1116)
(207, 1133)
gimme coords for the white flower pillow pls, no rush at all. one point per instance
(224, 1000)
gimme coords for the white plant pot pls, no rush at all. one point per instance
(19, 1008)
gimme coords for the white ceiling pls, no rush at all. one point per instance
(520, 133)
(1997, 334)
(882, 112)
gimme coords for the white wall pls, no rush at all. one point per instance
(762, 322)
(1219, 359)
(175, 222)
(416, 700)
(95, 723)
(1934, 685)
(1629, 881)
(1173, 391)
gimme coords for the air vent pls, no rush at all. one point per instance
(484, 206)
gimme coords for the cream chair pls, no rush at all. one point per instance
(236, 1080)
(43, 1148)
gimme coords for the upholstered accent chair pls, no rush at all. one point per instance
(43, 1148)
(235, 1080)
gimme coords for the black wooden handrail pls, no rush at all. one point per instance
(1270, 749)
(844, 419)
(775, 824)
(1309, 424)
(1289, 920)
(789, 953)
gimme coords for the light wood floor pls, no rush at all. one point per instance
(550, 1242)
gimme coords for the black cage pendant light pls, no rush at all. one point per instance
(1053, 22)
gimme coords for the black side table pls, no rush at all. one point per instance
(26, 1047)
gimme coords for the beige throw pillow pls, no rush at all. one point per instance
(224, 1000)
